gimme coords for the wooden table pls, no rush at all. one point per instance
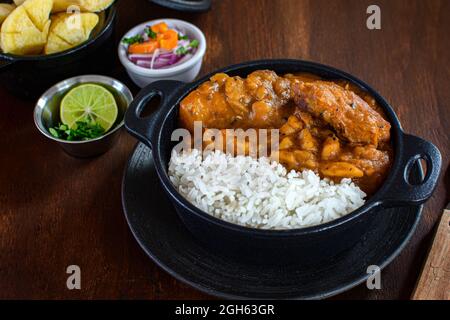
(56, 210)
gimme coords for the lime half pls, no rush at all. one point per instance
(89, 102)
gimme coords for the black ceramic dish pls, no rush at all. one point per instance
(282, 246)
(161, 234)
(185, 5)
(29, 76)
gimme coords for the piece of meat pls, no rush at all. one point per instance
(207, 104)
(258, 101)
(351, 117)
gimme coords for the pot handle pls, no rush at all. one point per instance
(144, 128)
(402, 192)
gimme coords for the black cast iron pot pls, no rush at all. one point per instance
(270, 245)
(30, 76)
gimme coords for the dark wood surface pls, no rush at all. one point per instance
(56, 210)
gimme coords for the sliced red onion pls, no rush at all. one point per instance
(166, 55)
(185, 58)
(162, 58)
(143, 63)
(156, 64)
(155, 55)
(173, 59)
(134, 57)
(183, 43)
(181, 59)
(148, 56)
(160, 64)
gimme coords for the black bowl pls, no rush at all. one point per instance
(185, 5)
(281, 246)
(29, 76)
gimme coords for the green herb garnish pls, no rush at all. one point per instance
(181, 51)
(150, 33)
(183, 37)
(135, 39)
(194, 43)
(82, 131)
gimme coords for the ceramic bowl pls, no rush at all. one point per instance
(186, 71)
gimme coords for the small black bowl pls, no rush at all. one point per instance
(29, 76)
(185, 5)
(281, 246)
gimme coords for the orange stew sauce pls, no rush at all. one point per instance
(330, 127)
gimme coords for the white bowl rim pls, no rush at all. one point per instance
(171, 70)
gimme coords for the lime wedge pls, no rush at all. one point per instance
(89, 102)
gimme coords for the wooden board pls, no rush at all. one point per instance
(434, 283)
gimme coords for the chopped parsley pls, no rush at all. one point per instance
(150, 33)
(135, 39)
(194, 43)
(181, 51)
(81, 132)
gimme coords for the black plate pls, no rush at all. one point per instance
(161, 234)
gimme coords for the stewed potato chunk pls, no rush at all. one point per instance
(307, 141)
(286, 143)
(330, 148)
(341, 170)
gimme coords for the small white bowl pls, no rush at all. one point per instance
(186, 71)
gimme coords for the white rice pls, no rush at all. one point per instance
(260, 194)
